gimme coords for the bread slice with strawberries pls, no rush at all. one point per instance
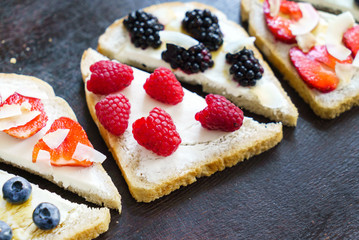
(162, 136)
(314, 50)
(331, 6)
(211, 51)
(21, 204)
(43, 128)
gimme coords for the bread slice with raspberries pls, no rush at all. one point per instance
(264, 96)
(328, 101)
(202, 152)
(77, 221)
(91, 181)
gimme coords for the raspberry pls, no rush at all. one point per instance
(220, 114)
(113, 113)
(157, 132)
(109, 77)
(163, 86)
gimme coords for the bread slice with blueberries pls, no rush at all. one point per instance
(316, 51)
(29, 212)
(201, 46)
(44, 129)
(163, 136)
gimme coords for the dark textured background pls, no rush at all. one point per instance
(305, 188)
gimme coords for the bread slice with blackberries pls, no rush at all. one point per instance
(212, 51)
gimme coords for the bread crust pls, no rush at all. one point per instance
(289, 72)
(114, 199)
(144, 191)
(288, 116)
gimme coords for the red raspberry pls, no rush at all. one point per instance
(109, 77)
(220, 114)
(157, 132)
(163, 86)
(113, 113)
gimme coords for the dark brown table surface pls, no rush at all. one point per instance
(305, 188)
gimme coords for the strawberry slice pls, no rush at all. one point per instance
(31, 127)
(62, 155)
(351, 39)
(317, 67)
(279, 25)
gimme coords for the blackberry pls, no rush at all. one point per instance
(203, 26)
(245, 68)
(197, 58)
(144, 29)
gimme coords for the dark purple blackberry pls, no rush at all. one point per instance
(197, 58)
(245, 68)
(203, 26)
(144, 29)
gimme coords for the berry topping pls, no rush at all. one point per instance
(245, 67)
(113, 113)
(220, 114)
(62, 155)
(163, 86)
(157, 132)
(16, 190)
(203, 26)
(279, 25)
(5, 231)
(196, 58)
(109, 77)
(317, 67)
(144, 29)
(31, 127)
(46, 216)
(351, 39)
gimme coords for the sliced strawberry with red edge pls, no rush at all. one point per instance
(317, 67)
(31, 127)
(62, 155)
(351, 39)
(279, 25)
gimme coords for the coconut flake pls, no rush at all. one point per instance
(54, 139)
(178, 38)
(12, 110)
(306, 41)
(344, 72)
(239, 44)
(43, 161)
(274, 7)
(356, 61)
(84, 152)
(31, 92)
(335, 33)
(5, 93)
(310, 19)
(16, 121)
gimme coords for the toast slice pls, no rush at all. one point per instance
(332, 6)
(326, 105)
(77, 221)
(92, 183)
(266, 98)
(201, 153)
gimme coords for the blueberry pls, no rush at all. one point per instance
(16, 190)
(46, 216)
(5, 231)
